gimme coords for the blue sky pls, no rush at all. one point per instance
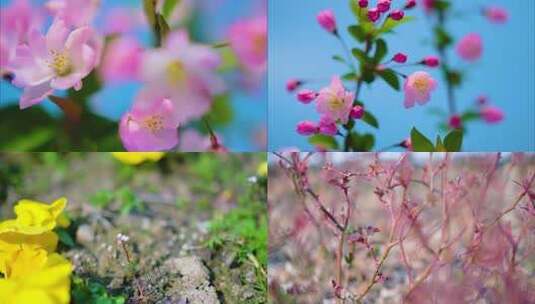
(298, 47)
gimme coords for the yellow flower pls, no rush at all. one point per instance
(34, 217)
(35, 277)
(136, 158)
(262, 169)
(11, 243)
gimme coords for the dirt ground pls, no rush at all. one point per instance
(181, 216)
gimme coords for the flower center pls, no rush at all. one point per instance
(176, 72)
(259, 43)
(154, 123)
(336, 104)
(421, 84)
(61, 63)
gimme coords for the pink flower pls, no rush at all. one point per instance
(248, 38)
(397, 15)
(363, 3)
(418, 87)
(327, 20)
(410, 4)
(496, 14)
(373, 14)
(122, 60)
(184, 72)
(357, 112)
(491, 114)
(431, 61)
(400, 58)
(334, 101)
(429, 5)
(307, 128)
(59, 60)
(122, 20)
(383, 5)
(455, 121)
(193, 141)
(292, 85)
(327, 126)
(149, 126)
(306, 96)
(470, 47)
(75, 13)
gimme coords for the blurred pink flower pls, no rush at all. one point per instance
(418, 87)
(496, 14)
(327, 20)
(491, 114)
(248, 38)
(334, 101)
(122, 60)
(75, 13)
(455, 121)
(384, 5)
(327, 126)
(428, 5)
(293, 84)
(306, 96)
(16, 22)
(150, 125)
(431, 61)
(470, 47)
(193, 141)
(59, 60)
(357, 112)
(184, 72)
(122, 20)
(399, 58)
(307, 128)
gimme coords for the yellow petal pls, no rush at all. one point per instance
(135, 158)
(262, 169)
(34, 217)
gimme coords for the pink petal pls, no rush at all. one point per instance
(67, 82)
(56, 35)
(34, 94)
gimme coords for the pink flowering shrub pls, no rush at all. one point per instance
(182, 81)
(402, 228)
(369, 58)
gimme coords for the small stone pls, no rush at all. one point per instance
(85, 235)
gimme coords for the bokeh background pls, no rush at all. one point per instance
(300, 48)
(209, 23)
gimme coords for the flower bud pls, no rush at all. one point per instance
(431, 61)
(397, 15)
(400, 58)
(410, 4)
(383, 5)
(357, 112)
(455, 121)
(292, 85)
(373, 14)
(327, 126)
(306, 96)
(363, 3)
(307, 128)
(327, 20)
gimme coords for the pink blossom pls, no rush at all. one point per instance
(335, 102)
(429, 5)
(59, 60)
(184, 72)
(193, 141)
(418, 87)
(363, 3)
(306, 96)
(383, 5)
(491, 114)
(357, 112)
(455, 121)
(122, 60)
(292, 84)
(470, 47)
(327, 20)
(327, 126)
(122, 20)
(400, 58)
(150, 125)
(496, 14)
(75, 13)
(373, 14)
(307, 128)
(431, 61)
(410, 4)
(248, 38)
(397, 15)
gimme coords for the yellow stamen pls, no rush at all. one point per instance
(421, 84)
(176, 72)
(61, 63)
(154, 123)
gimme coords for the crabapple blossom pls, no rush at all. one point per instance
(306, 96)
(418, 87)
(431, 61)
(59, 60)
(410, 4)
(470, 47)
(496, 14)
(397, 15)
(357, 112)
(248, 38)
(75, 13)
(292, 84)
(184, 72)
(491, 114)
(429, 5)
(374, 14)
(383, 5)
(363, 3)
(193, 141)
(122, 60)
(400, 58)
(327, 126)
(307, 128)
(334, 101)
(455, 121)
(327, 20)
(150, 125)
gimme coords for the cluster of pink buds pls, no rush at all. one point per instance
(383, 7)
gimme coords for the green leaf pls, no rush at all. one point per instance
(470, 115)
(442, 38)
(101, 198)
(390, 24)
(162, 28)
(65, 237)
(357, 32)
(380, 50)
(454, 141)
(221, 112)
(338, 58)
(370, 119)
(360, 56)
(361, 143)
(420, 143)
(149, 7)
(29, 141)
(350, 76)
(323, 141)
(391, 78)
(168, 7)
(439, 145)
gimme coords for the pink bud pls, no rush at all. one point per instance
(470, 47)
(496, 14)
(306, 96)
(307, 128)
(383, 5)
(373, 14)
(400, 58)
(397, 15)
(357, 112)
(363, 3)
(327, 21)
(455, 122)
(491, 114)
(292, 84)
(431, 61)
(327, 126)
(407, 144)
(410, 4)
